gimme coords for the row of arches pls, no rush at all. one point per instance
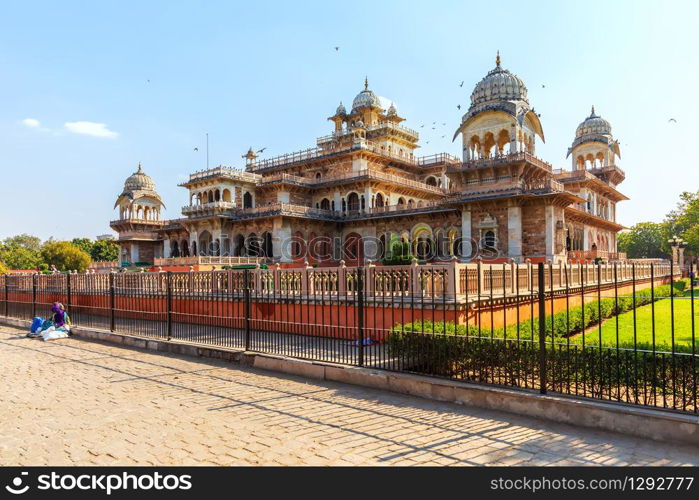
(590, 161)
(214, 195)
(140, 212)
(251, 245)
(492, 144)
(353, 202)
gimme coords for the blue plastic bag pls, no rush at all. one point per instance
(36, 324)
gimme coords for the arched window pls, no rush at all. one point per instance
(185, 248)
(247, 200)
(378, 200)
(174, 249)
(353, 202)
(401, 201)
(325, 204)
(431, 181)
(217, 195)
(226, 195)
(318, 176)
(489, 240)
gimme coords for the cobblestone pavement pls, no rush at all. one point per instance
(73, 401)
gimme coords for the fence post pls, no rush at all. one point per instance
(68, 293)
(246, 295)
(111, 301)
(168, 291)
(33, 295)
(542, 330)
(360, 316)
(7, 295)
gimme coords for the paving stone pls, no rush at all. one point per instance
(110, 405)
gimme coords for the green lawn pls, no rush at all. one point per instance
(644, 335)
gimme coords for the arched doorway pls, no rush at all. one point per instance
(353, 248)
(174, 249)
(253, 245)
(267, 247)
(205, 243)
(239, 248)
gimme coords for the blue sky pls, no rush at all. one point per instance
(159, 75)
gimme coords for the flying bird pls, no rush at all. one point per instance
(672, 120)
(443, 123)
(427, 142)
(443, 136)
(261, 150)
(422, 126)
(461, 84)
(543, 86)
(196, 149)
(458, 106)
(337, 48)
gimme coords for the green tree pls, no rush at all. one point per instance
(684, 221)
(24, 241)
(65, 256)
(105, 251)
(3, 269)
(643, 241)
(19, 257)
(84, 244)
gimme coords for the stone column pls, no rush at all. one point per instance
(514, 232)
(281, 240)
(134, 253)
(466, 244)
(550, 224)
(338, 201)
(166, 248)
(367, 199)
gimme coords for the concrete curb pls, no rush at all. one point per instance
(625, 419)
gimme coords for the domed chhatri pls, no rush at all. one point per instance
(341, 111)
(594, 147)
(366, 98)
(138, 187)
(499, 85)
(500, 120)
(139, 181)
(593, 125)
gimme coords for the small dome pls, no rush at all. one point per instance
(593, 125)
(499, 85)
(139, 181)
(366, 98)
(340, 111)
(392, 111)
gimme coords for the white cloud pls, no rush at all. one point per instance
(31, 123)
(90, 128)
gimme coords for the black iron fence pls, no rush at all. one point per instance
(621, 334)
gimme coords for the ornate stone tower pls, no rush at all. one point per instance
(139, 218)
(595, 149)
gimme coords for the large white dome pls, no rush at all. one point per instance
(593, 125)
(499, 85)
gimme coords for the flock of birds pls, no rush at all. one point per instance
(458, 106)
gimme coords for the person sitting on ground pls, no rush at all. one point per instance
(55, 328)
